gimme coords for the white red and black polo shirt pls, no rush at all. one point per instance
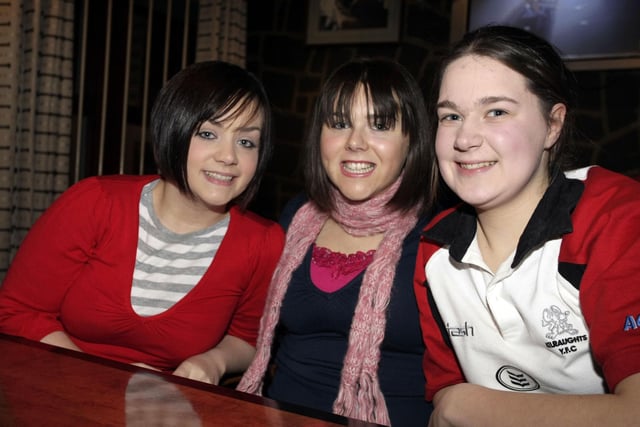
(561, 315)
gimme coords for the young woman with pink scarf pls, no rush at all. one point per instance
(341, 326)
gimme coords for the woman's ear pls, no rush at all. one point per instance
(556, 123)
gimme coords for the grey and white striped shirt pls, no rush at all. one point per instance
(168, 264)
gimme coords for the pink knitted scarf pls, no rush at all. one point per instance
(359, 395)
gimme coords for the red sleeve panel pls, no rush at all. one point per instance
(606, 239)
(440, 365)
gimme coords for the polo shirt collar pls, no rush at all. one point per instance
(550, 220)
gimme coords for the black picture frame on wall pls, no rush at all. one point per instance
(590, 34)
(349, 21)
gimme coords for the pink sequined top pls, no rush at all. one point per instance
(331, 271)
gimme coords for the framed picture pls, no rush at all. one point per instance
(353, 21)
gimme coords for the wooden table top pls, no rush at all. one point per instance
(42, 385)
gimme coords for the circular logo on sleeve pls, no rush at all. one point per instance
(516, 379)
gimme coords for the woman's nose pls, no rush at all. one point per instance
(467, 137)
(226, 153)
(356, 141)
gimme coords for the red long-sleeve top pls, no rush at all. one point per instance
(74, 271)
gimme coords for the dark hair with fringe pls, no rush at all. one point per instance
(394, 96)
(206, 91)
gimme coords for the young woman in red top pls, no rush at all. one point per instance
(169, 271)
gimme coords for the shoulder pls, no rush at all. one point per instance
(608, 211)
(253, 223)
(94, 192)
(291, 208)
(260, 239)
(413, 237)
(605, 190)
(111, 184)
(597, 175)
(122, 183)
(444, 218)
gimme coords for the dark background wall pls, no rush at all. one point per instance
(292, 71)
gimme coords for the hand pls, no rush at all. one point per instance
(60, 339)
(230, 355)
(201, 367)
(450, 407)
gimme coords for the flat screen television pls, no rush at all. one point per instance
(589, 34)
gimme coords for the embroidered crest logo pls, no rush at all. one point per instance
(557, 322)
(516, 379)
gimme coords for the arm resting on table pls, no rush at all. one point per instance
(230, 355)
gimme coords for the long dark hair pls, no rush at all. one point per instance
(394, 95)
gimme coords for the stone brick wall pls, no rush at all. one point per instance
(293, 72)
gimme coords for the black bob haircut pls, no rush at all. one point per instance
(206, 91)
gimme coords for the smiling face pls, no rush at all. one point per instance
(493, 139)
(223, 157)
(361, 154)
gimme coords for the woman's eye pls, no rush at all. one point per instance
(337, 121)
(247, 143)
(206, 134)
(380, 126)
(340, 125)
(449, 117)
(496, 113)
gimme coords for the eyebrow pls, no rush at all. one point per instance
(446, 104)
(483, 101)
(240, 128)
(249, 128)
(337, 115)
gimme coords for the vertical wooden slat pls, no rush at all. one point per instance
(185, 35)
(81, 78)
(105, 87)
(163, 64)
(145, 100)
(165, 72)
(125, 90)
